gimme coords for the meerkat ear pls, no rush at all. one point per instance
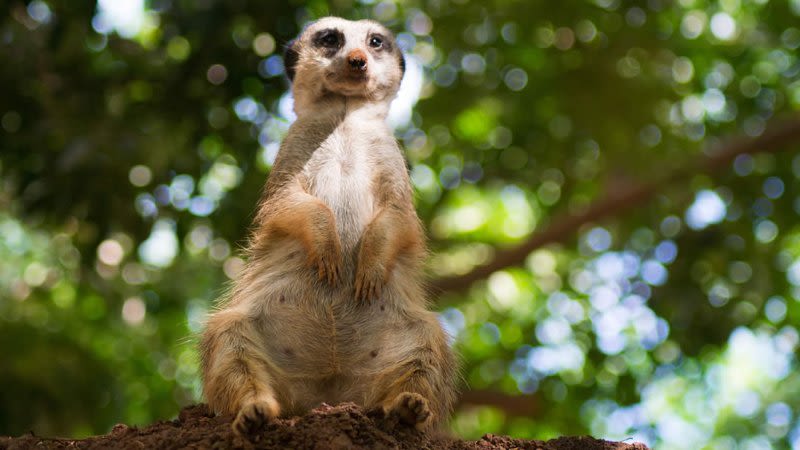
(402, 63)
(290, 58)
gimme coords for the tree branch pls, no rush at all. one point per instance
(621, 200)
(522, 405)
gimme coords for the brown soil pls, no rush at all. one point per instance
(328, 427)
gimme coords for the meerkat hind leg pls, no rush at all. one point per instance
(235, 377)
(414, 394)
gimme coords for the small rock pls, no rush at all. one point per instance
(120, 428)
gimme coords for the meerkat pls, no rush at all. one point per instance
(331, 305)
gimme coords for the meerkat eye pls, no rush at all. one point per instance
(329, 39)
(376, 42)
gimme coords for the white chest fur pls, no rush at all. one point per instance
(340, 173)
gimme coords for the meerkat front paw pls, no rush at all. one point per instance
(253, 416)
(327, 259)
(369, 282)
(411, 409)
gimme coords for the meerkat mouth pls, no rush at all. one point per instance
(347, 80)
(356, 77)
(347, 75)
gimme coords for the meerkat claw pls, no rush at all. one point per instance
(368, 286)
(327, 268)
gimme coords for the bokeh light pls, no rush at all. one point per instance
(134, 159)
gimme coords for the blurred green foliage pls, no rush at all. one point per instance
(135, 138)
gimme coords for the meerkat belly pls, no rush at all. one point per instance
(324, 343)
(316, 336)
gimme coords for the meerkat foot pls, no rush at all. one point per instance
(368, 283)
(253, 416)
(411, 409)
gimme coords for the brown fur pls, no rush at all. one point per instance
(331, 306)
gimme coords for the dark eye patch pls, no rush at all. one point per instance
(329, 39)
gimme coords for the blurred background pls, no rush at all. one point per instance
(604, 259)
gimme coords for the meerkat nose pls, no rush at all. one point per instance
(357, 59)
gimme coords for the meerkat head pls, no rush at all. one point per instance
(334, 56)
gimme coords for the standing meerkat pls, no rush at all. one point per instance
(331, 306)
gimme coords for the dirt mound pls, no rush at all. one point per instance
(328, 427)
